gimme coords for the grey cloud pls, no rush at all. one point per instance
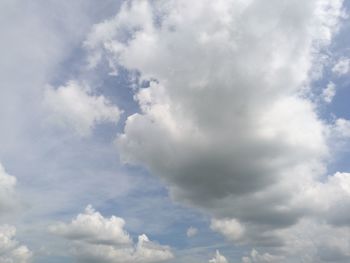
(225, 121)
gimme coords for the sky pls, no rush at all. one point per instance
(145, 131)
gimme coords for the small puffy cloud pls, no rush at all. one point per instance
(342, 127)
(103, 240)
(74, 106)
(91, 226)
(230, 228)
(342, 67)
(329, 92)
(218, 258)
(10, 250)
(7, 189)
(191, 231)
(121, 27)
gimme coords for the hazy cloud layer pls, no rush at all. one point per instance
(256, 257)
(103, 240)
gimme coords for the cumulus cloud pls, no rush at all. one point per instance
(331, 198)
(228, 227)
(321, 237)
(329, 92)
(216, 128)
(7, 189)
(342, 66)
(225, 121)
(342, 127)
(10, 250)
(104, 240)
(93, 227)
(74, 106)
(218, 258)
(191, 232)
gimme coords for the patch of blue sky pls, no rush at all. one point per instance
(339, 106)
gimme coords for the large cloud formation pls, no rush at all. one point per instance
(98, 239)
(226, 120)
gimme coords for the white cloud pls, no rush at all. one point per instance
(10, 250)
(222, 121)
(329, 92)
(342, 66)
(74, 106)
(93, 227)
(191, 232)
(218, 258)
(342, 127)
(98, 239)
(7, 189)
(331, 198)
(315, 241)
(230, 228)
(216, 128)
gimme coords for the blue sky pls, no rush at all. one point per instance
(129, 118)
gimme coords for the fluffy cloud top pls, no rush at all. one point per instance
(228, 227)
(93, 227)
(7, 189)
(225, 121)
(10, 250)
(342, 127)
(329, 92)
(98, 239)
(218, 258)
(74, 106)
(342, 67)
